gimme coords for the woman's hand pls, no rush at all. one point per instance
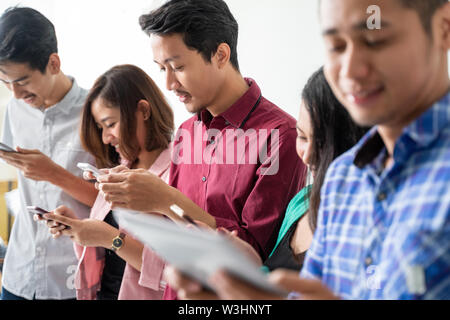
(88, 232)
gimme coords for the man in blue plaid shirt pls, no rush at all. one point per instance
(384, 220)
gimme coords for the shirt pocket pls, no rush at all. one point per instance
(68, 153)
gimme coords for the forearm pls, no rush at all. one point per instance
(131, 250)
(78, 188)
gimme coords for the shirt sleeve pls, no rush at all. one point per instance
(278, 180)
(152, 270)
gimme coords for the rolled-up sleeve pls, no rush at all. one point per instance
(152, 270)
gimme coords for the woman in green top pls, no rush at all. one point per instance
(325, 131)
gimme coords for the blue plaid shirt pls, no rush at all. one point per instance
(385, 234)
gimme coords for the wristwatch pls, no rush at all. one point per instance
(117, 242)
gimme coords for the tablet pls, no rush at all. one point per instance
(196, 253)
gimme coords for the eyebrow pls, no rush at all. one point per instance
(17, 80)
(360, 26)
(105, 119)
(168, 59)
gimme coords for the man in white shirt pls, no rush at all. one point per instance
(42, 120)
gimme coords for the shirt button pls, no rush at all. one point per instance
(204, 179)
(382, 196)
(368, 261)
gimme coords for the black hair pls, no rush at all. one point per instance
(26, 36)
(203, 24)
(333, 133)
(425, 9)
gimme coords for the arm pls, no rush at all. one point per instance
(93, 233)
(142, 191)
(37, 166)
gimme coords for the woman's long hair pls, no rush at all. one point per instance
(333, 133)
(123, 87)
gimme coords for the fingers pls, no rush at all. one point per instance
(231, 288)
(118, 169)
(27, 151)
(112, 178)
(309, 289)
(61, 219)
(178, 281)
(87, 175)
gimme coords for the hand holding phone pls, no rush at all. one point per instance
(89, 168)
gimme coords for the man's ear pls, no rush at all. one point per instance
(443, 17)
(144, 107)
(223, 55)
(54, 64)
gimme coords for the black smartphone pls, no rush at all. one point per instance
(36, 210)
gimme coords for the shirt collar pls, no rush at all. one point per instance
(240, 110)
(420, 133)
(66, 103)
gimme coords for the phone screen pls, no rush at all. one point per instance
(36, 210)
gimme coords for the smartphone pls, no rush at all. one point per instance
(36, 210)
(180, 212)
(4, 147)
(90, 168)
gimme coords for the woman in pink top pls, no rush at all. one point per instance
(126, 120)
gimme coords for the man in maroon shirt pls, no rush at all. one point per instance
(234, 164)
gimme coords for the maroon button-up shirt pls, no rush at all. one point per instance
(241, 167)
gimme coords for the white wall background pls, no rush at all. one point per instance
(279, 42)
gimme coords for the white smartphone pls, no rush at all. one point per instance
(90, 168)
(4, 147)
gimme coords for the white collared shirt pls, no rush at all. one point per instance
(36, 265)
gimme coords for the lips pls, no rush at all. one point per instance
(183, 96)
(29, 99)
(364, 97)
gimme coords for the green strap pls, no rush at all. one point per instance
(298, 206)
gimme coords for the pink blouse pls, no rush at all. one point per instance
(144, 285)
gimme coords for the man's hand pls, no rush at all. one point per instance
(187, 289)
(308, 289)
(137, 190)
(33, 164)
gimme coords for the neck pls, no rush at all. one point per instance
(62, 86)
(146, 159)
(232, 89)
(391, 132)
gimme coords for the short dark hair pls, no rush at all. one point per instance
(426, 10)
(123, 87)
(333, 133)
(203, 24)
(26, 36)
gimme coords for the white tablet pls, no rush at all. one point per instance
(197, 253)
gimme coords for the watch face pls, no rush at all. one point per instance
(117, 242)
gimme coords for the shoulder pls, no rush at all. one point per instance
(270, 115)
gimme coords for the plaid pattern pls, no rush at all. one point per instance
(385, 234)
